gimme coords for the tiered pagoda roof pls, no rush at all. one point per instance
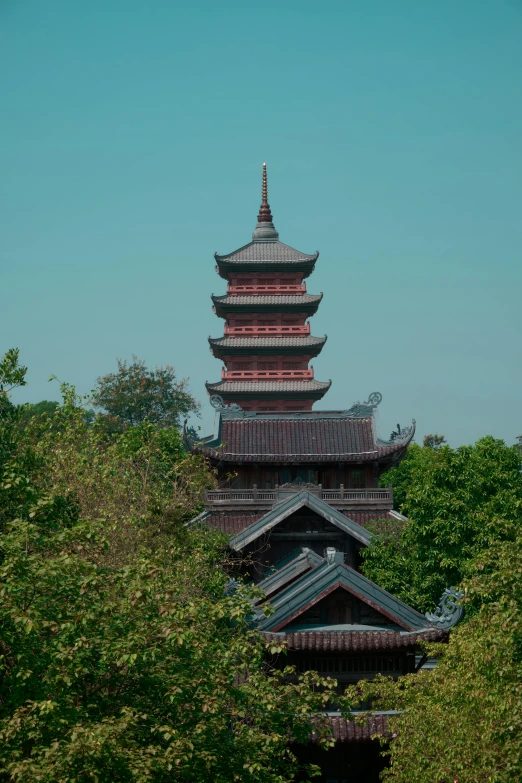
(270, 390)
(300, 303)
(245, 346)
(267, 343)
(266, 255)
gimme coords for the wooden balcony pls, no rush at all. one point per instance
(267, 331)
(267, 375)
(265, 498)
(254, 290)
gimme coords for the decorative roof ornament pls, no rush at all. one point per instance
(367, 408)
(217, 401)
(449, 612)
(402, 434)
(298, 484)
(265, 230)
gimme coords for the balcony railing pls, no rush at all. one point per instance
(267, 331)
(371, 498)
(267, 375)
(244, 290)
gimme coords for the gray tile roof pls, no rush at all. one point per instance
(296, 598)
(344, 730)
(302, 437)
(355, 641)
(296, 300)
(304, 560)
(266, 251)
(233, 522)
(287, 507)
(267, 342)
(238, 387)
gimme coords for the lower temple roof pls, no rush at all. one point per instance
(235, 522)
(355, 641)
(344, 730)
(300, 437)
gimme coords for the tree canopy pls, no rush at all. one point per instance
(134, 394)
(463, 720)
(121, 657)
(453, 499)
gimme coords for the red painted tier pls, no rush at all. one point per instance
(262, 331)
(272, 375)
(238, 290)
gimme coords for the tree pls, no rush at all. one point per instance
(434, 441)
(12, 373)
(453, 499)
(135, 394)
(39, 408)
(122, 659)
(463, 720)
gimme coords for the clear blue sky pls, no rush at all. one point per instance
(131, 141)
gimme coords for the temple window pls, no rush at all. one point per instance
(358, 476)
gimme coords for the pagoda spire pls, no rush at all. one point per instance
(265, 229)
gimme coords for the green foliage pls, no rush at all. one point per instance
(453, 499)
(434, 441)
(120, 657)
(39, 408)
(12, 373)
(134, 394)
(463, 720)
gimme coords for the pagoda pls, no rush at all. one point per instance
(298, 489)
(267, 346)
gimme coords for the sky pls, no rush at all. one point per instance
(131, 141)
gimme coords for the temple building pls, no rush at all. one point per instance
(299, 488)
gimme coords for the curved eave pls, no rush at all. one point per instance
(261, 390)
(393, 449)
(258, 347)
(226, 268)
(272, 261)
(257, 304)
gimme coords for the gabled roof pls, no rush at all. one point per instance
(233, 522)
(270, 346)
(287, 507)
(303, 561)
(317, 584)
(312, 436)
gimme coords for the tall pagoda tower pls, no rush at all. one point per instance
(267, 346)
(299, 494)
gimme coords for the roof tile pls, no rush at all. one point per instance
(233, 387)
(267, 251)
(300, 438)
(355, 641)
(296, 299)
